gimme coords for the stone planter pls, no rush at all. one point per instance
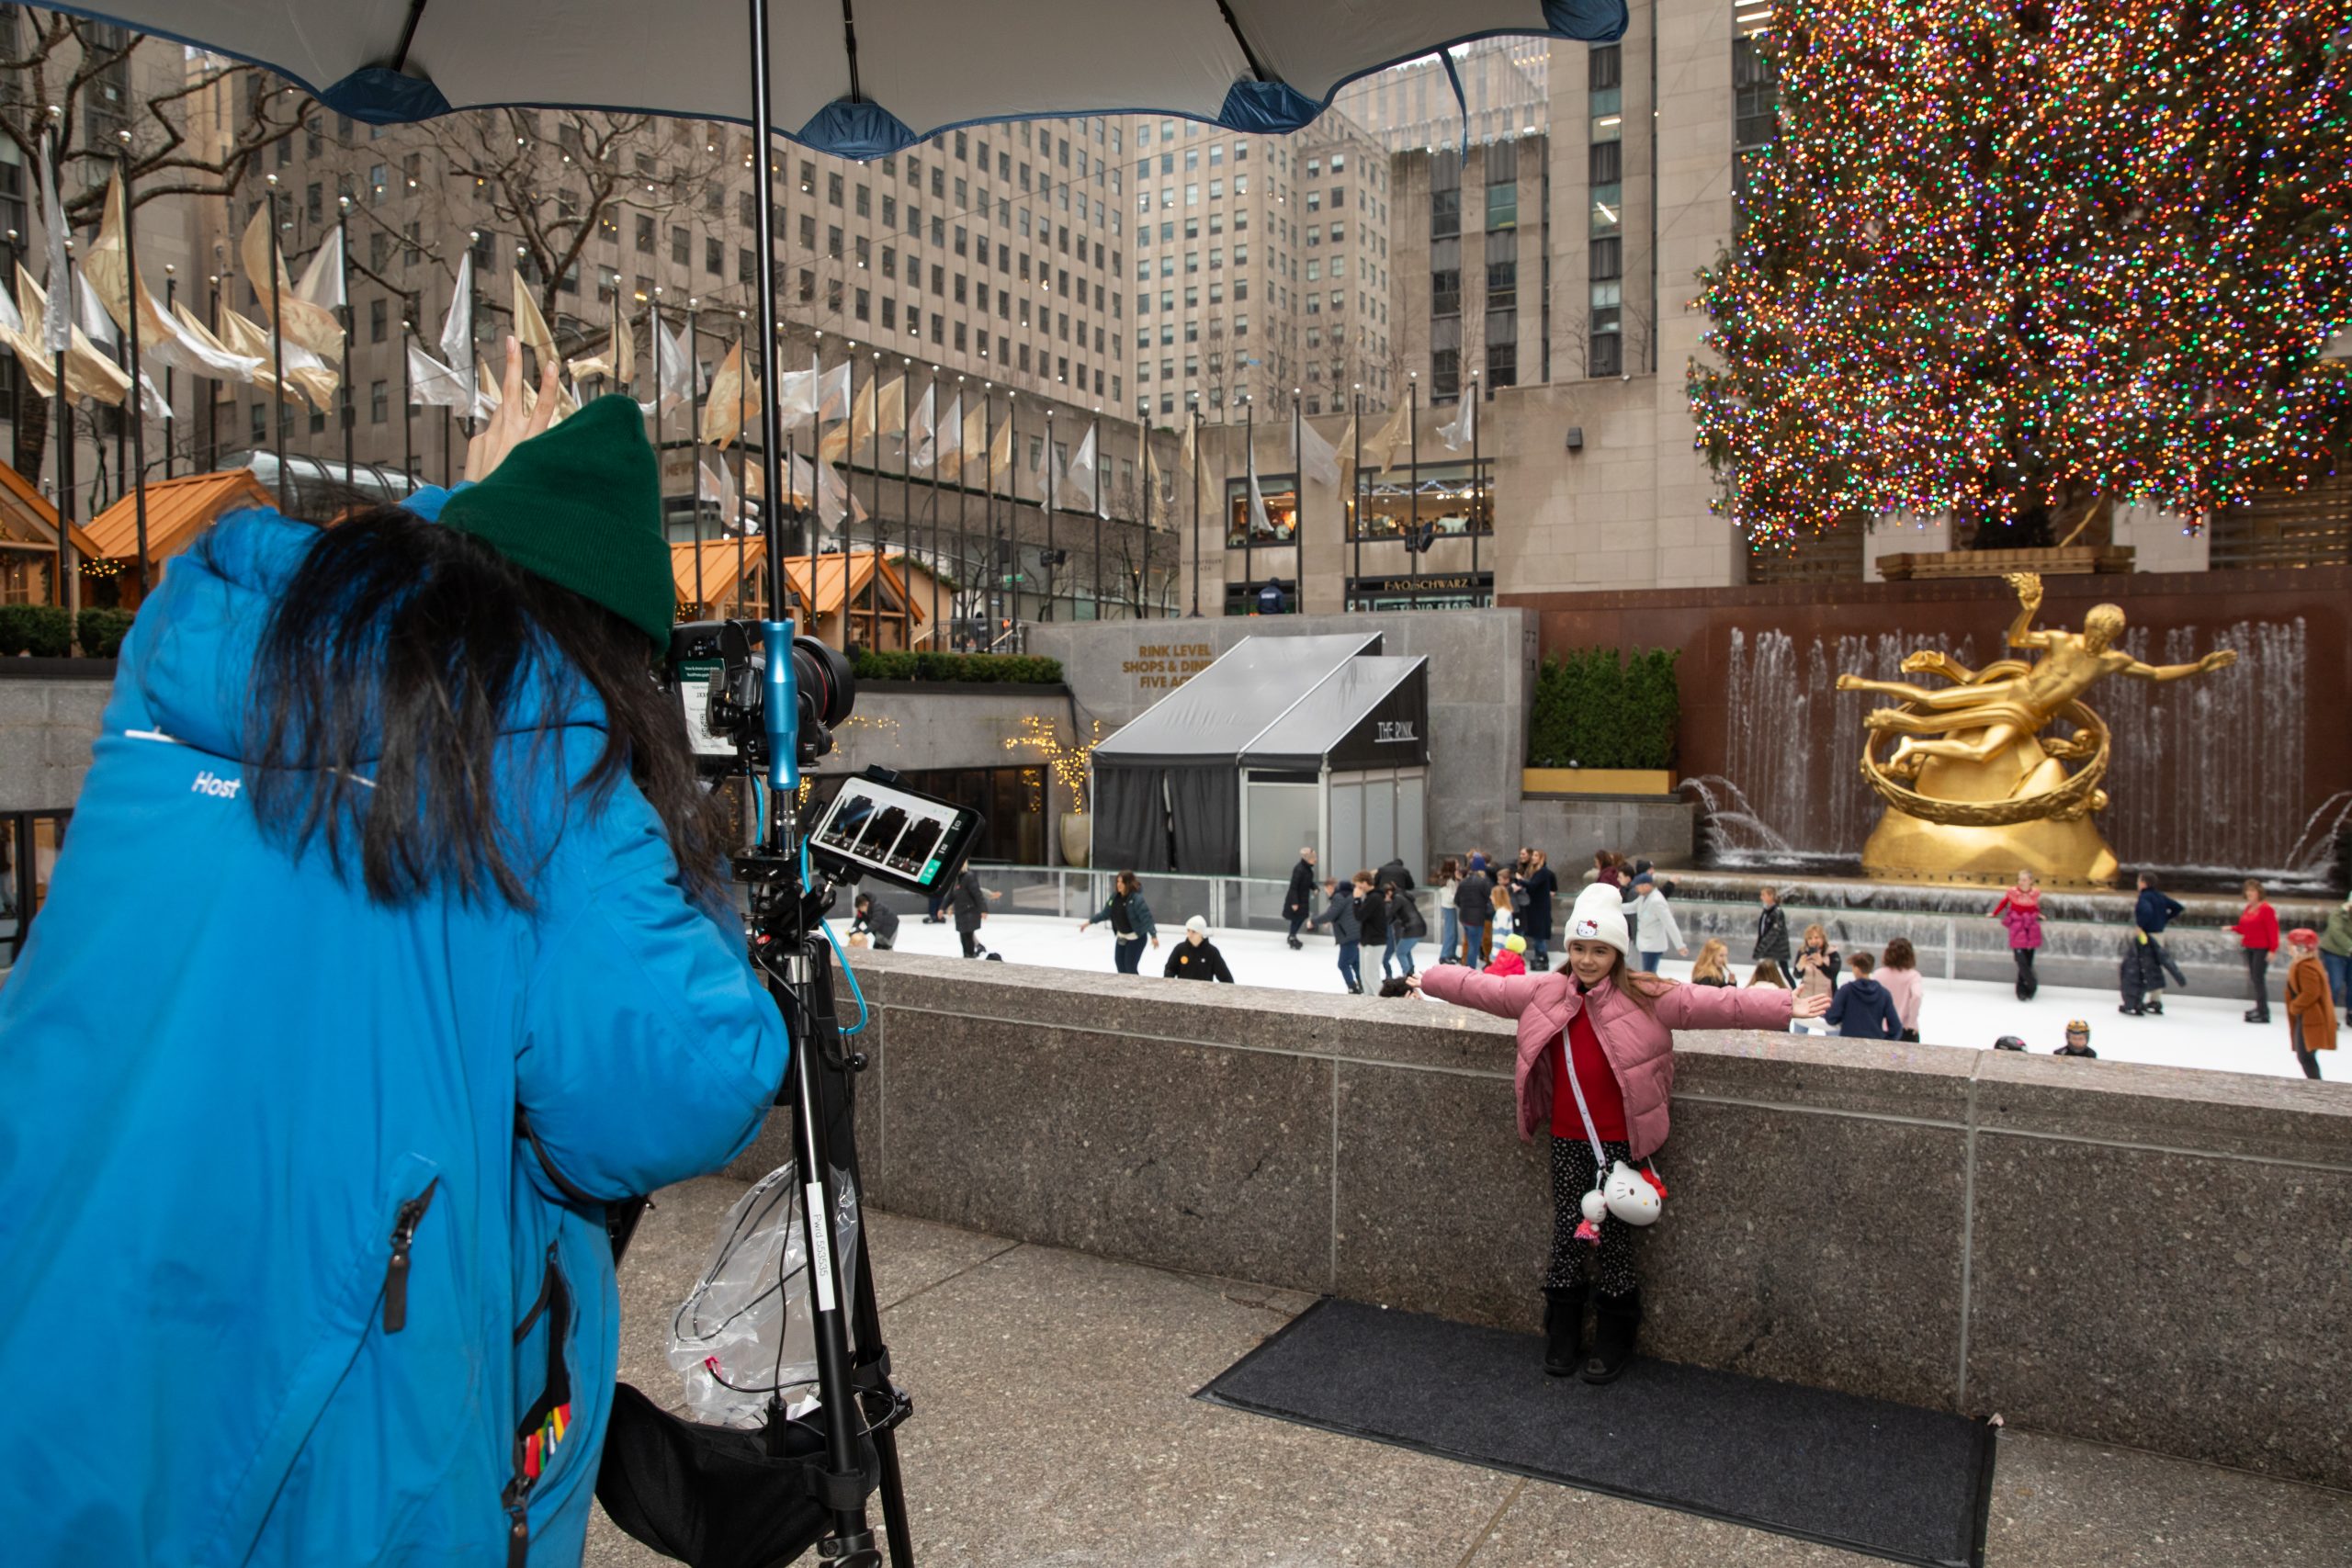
(1078, 838)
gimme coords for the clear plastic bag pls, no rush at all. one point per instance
(743, 1332)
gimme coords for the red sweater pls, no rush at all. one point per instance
(2258, 928)
(1602, 1095)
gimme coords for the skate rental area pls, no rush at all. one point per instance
(1661, 874)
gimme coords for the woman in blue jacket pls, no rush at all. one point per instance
(389, 944)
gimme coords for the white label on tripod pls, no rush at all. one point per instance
(821, 1245)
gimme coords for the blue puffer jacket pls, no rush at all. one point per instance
(279, 1282)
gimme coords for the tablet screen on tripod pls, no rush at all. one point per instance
(874, 829)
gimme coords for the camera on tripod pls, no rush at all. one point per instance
(718, 669)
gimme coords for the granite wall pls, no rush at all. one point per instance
(48, 723)
(2127, 1254)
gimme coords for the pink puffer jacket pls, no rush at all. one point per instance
(1638, 1042)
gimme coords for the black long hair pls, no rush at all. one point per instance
(399, 654)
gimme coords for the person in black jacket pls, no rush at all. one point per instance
(1196, 957)
(1371, 914)
(876, 924)
(1405, 924)
(1340, 914)
(1540, 883)
(1473, 899)
(1394, 874)
(2145, 961)
(1298, 903)
(970, 904)
(1863, 1009)
(1772, 932)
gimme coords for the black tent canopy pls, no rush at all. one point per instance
(1283, 741)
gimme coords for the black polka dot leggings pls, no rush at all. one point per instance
(1613, 1260)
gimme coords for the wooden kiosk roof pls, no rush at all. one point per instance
(178, 511)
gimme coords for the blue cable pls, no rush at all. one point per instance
(827, 927)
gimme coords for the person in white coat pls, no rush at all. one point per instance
(1655, 920)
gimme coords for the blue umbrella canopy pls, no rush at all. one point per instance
(860, 78)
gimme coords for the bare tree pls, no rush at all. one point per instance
(51, 60)
(556, 178)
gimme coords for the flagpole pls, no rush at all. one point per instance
(68, 590)
(171, 377)
(1355, 482)
(906, 470)
(653, 330)
(212, 384)
(1051, 464)
(408, 402)
(1473, 489)
(874, 581)
(1248, 517)
(1093, 441)
(350, 319)
(276, 349)
(1143, 439)
(694, 347)
(138, 403)
(1195, 479)
(1413, 533)
(963, 499)
(1299, 502)
(1002, 561)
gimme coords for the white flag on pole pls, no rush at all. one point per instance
(457, 327)
(833, 393)
(1316, 457)
(677, 376)
(91, 316)
(921, 430)
(150, 400)
(434, 385)
(1260, 527)
(57, 321)
(321, 282)
(1465, 422)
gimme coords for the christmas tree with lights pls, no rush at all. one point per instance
(2005, 260)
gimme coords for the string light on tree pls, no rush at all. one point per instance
(2005, 259)
(1068, 762)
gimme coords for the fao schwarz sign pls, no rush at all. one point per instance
(1164, 665)
(1393, 729)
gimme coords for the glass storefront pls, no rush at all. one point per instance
(1012, 801)
(1279, 492)
(1449, 499)
(1429, 591)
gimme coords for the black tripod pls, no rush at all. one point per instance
(796, 959)
(862, 1409)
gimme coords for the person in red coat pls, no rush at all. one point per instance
(2257, 929)
(1512, 959)
(1596, 1068)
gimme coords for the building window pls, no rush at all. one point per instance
(378, 401)
(1755, 108)
(714, 257)
(834, 189)
(1502, 348)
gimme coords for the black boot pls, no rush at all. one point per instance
(1615, 1322)
(1563, 1329)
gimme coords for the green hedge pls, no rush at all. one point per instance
(44, 631)
(1015, 669)
(100, 632)
(1595, 708)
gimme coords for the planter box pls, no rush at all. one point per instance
(2073, 560)
(1596, 780)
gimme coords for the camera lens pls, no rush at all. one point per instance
(828, 689)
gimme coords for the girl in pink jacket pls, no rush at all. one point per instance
(1596, 1066)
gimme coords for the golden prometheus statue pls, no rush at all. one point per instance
(1973, 789)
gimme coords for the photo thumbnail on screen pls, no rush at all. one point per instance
(875, 827)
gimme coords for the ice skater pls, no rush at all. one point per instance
(2020, 910)
(1772, 932)
(1406, 927)
(1131, 922)
(1347, 930)
(2257, 930)
(1473, 899)
(1543, 885)
(1512, 959)
(1596, 1067)
(1863, 1009)
(2078, 1040)
(1298, 900)
(1196, 957)
(1898, 971)
(2335, 954)
(1654, 917)
(970, 904)
(2145, 961)
(1816, 971)
(2311, 1012)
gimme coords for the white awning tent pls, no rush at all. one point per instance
(1284, 741)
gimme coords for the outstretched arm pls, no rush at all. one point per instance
(2219, 658)
(1505, 996)
(2029, 587)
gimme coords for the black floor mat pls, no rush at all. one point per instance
(1900, 1483)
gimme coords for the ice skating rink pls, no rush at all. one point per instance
(2195, 1031)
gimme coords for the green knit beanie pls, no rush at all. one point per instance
(580, 505)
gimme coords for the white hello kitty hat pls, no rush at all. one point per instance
(1599, 915)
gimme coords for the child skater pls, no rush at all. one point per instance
(1596, 1065)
